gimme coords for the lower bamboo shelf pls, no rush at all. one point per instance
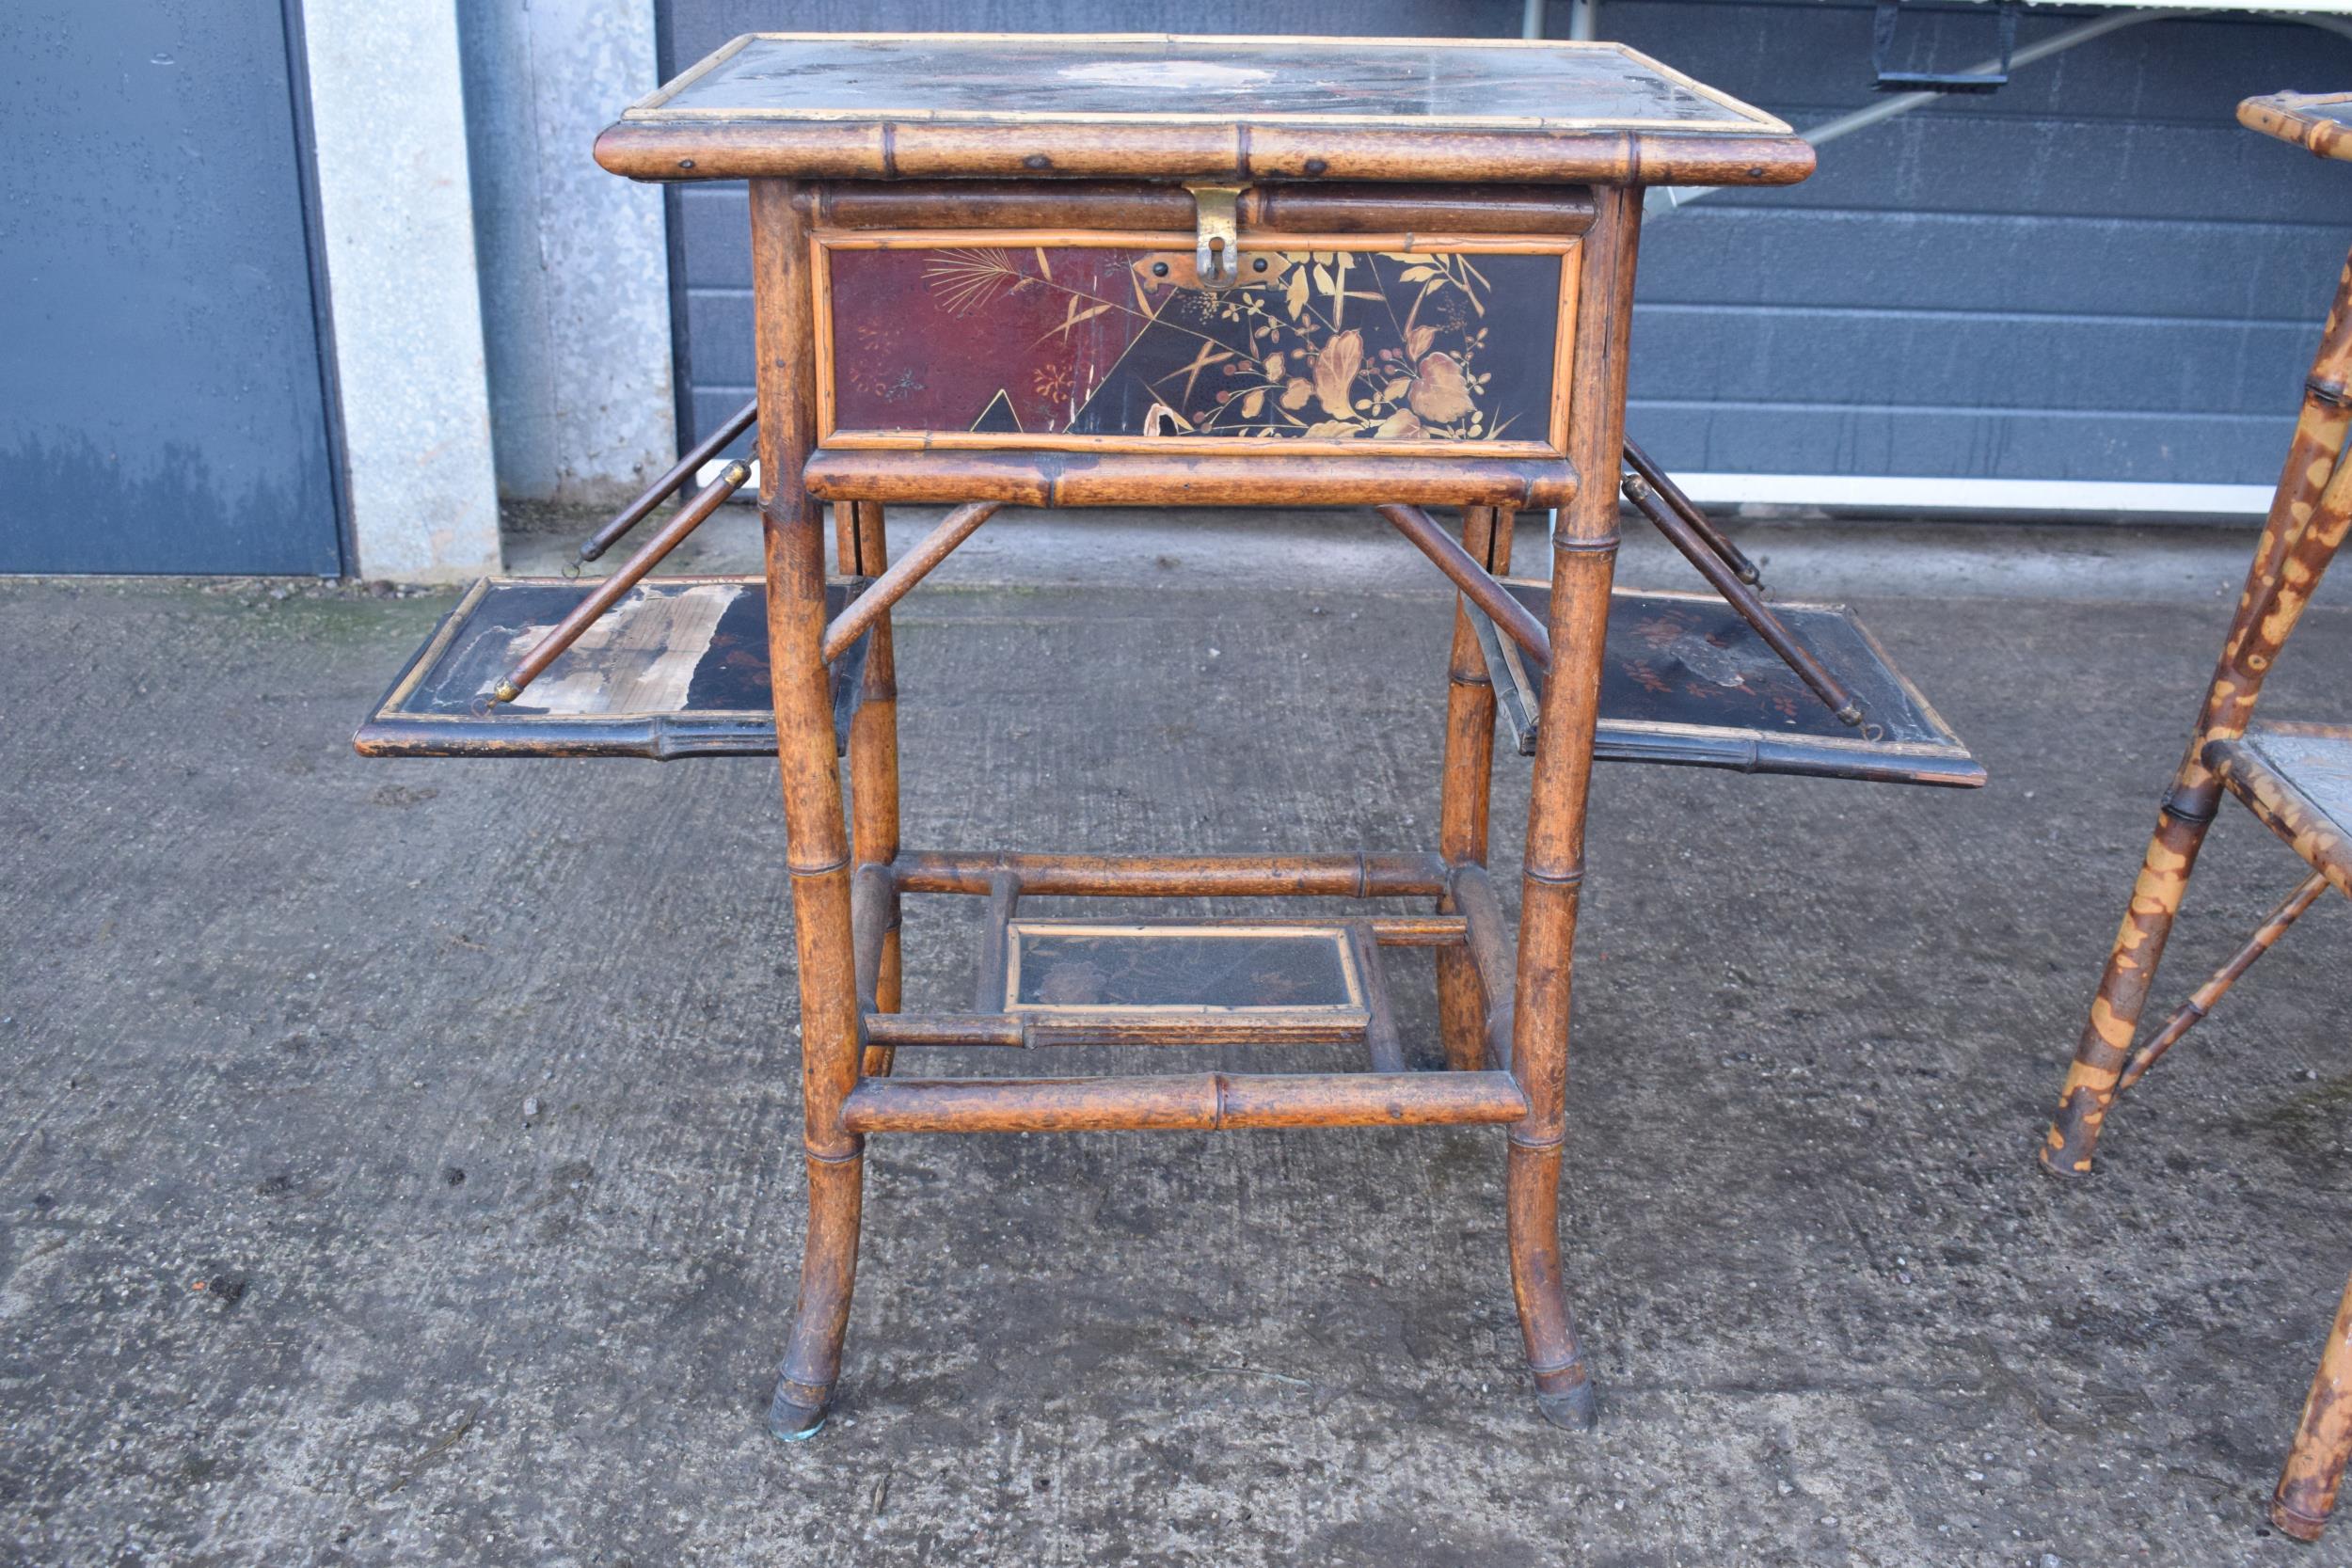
(678, 668)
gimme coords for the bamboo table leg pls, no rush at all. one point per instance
(1467, 787)
(1583, 560)
(2323, 1440)
(818, 849)
(2293, 549)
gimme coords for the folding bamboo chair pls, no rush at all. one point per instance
(2297, 778)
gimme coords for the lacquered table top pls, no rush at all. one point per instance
(1164, 78)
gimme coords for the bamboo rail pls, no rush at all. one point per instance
(1688, 510)
(1030, 1031)
(685, 468)
(1720, 576)
(607, 593)
(2192, 1012)
(902, 575)
(1337, 876)
(1471, 576)
(1199, 1102)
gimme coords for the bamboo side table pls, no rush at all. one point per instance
(1166, 271)
(2297, 778)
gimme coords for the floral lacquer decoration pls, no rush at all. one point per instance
(1350, 345)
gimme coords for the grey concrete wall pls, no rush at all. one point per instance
(388, 115)
(574, 262)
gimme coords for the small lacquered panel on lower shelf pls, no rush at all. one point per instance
(1074, 340)
(1066, 966)
(677, 668)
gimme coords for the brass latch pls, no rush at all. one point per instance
(1216, 244)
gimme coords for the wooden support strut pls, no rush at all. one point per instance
(904, 574)
(994, 1030)
(2192, 1012)
(1688, 510)
(1488, 936)
(1472, 578)
(1721, 576)
(1363, 875)
(1196, 1101)
(661, 489)
(607, 593)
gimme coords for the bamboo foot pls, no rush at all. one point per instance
(1572, 1409)
(2302, 1527)
(788, 1420)
(2067, 1146)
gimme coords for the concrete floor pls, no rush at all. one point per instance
(399, 1158)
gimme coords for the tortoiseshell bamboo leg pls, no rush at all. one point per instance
(1584, 558)
(2307, 1487)
(817, 844)
(2297, 541)
(1465, 786)
(2192, 1012)
(874, 767)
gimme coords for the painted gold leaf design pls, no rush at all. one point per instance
(1399, 426)
(1335, 372)
(1297, 390)
(1440, 394)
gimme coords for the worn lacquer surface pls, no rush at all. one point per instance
(1159, 78)
(1055, 965)
(676, 668)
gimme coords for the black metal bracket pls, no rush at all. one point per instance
(1882, 43)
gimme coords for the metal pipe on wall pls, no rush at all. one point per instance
(1664, 199)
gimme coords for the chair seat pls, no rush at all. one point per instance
(2298, 779)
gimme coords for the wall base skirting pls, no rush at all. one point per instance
(2005, 497)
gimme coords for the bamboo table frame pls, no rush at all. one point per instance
(2310, 515)
(940, 152)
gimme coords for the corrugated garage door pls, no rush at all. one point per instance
(2092, 274)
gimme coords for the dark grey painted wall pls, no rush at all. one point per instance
(165, 410)
(2092, 274)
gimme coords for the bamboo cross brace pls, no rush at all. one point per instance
(1721, 576)
(1172, 1027)
(1363, 874)
(1476, 583)
(902, 575)
(2192, 1012)
(1203, 1102)
(607, 593)
(660, 490)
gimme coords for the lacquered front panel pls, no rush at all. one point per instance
(1016, 340)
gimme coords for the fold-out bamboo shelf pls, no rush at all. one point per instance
(677, 668)
(1687, 681)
